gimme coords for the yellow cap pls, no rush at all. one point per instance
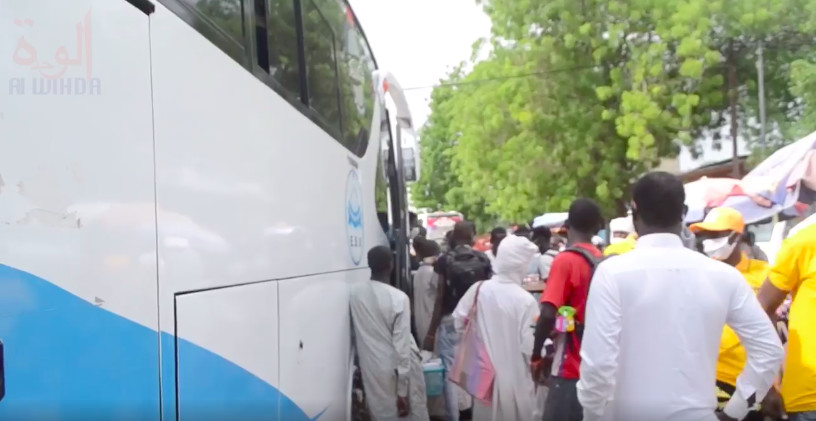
(720, 219)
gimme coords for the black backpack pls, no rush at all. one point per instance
(589, 257)
(464, 267)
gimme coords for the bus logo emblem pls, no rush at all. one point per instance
(354, 217)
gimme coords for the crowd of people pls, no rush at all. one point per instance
(667, 322)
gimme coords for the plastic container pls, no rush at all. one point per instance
(434, 373)
(565, 322)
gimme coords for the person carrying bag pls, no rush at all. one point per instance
(472, 370)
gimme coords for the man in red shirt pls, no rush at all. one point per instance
(567, 286)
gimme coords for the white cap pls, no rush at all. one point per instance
(622, 225)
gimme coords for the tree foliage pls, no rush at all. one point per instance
(579, 97)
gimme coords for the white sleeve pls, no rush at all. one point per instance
(544, 265)
(462, 311)
(599, 348)
(762, 346)
(401, 337)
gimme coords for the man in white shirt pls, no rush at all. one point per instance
(542, 237)
(389, 358)
(654, 320)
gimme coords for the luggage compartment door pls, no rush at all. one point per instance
(227, 353)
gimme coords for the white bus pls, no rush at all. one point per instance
(187, 190)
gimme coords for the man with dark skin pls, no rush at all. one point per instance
(462, 233)
(794, 273)
(546, 321)
(542, 238)
(721, 234)
(442, 324)
(381, 317)
(496, 236)
(523, 230)
(567, 284)
(655, 317)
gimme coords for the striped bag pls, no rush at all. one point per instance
(472, 369)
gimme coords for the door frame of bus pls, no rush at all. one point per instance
(398, 200)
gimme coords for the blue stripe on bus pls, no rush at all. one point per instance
(66, 359)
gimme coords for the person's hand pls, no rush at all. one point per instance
(772, 405)
(536, 368)
(722, 417)
(403, 410)
(429, 342)
(539, 367)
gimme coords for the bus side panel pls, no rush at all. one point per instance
(78, 311)
(248, 190)
(315, 342)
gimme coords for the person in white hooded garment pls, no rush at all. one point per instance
(390, 363)
(506, 316)
(621, 228)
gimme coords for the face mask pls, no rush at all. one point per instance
(719, 248)
(616, 240)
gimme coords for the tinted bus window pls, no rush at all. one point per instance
(283, 54)
(321, 60)
(357, 90)
(227, 15)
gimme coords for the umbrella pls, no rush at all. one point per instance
(707, 193)
(784, 183)
(551, 220)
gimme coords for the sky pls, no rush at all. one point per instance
(420, 40)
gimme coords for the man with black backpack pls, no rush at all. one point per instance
(564, 301)
(458, 270)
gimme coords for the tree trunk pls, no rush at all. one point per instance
(732, 94)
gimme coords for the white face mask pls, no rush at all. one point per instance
(719, 248)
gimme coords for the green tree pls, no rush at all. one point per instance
(803, 78)
(437, 140)
(580, 97)
(803, 84)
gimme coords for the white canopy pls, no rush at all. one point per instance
(550, 220)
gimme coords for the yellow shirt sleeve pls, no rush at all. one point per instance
(785, 272)
(621, 248)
